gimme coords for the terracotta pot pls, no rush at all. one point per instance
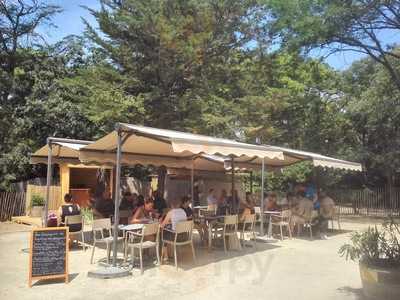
(380, 283)
(37, 211)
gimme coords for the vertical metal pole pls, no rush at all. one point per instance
(262, 197)
(192, 182)
(117, 195)
(48, 182)
(233, 186)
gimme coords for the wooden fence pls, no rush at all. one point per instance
(11, 204)
(55, 195)
(378, 202)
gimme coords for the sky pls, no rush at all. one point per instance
(70, 22)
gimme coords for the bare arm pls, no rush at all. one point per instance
(137, 216)
(167, 220)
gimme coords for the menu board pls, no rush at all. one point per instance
(48, 254)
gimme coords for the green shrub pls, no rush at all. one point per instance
(375, 247)
(37, 200)
(87, 214)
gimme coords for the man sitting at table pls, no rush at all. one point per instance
(326, 213)
(144, 212)
(199, 226)
(302, 212)
(129, 201)
(168, 225)
(271, 202)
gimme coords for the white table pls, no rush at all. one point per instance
(271, 213)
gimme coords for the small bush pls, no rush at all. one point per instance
(87, 214)
(375, 247)
(37, 200)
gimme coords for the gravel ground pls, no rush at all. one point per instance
(293, 269)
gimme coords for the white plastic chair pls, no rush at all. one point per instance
(229, 228)
(138, 241)
(78, 219)
(184, 228)
(282, 220)
(101, 226)
(248, 227)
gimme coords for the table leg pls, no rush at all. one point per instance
(209, 236)
(270, 227)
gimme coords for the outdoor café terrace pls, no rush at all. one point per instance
(130, 145)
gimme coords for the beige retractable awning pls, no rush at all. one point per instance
(173, 149)
(145, 145)
(62, 152)
(292, 156)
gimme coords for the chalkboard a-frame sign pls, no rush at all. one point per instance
(48, 255)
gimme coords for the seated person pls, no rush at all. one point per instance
(199, 226)
(247, 207)
(185, 205)
(271, 202)
(128, 201)
(104, 204)
(222, 199)
(234, 205)
(69, 209)
(291, 199)
(211, 200)
(174, 216)
(326, 213)
(146, 211)
(159, 202)
(302, 212)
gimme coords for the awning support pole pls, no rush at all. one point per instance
(48, 182)
(117, 194)
(233, 186)
(262, 198)
(192, 182)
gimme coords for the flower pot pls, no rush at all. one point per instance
(380, 283)
(37, 211)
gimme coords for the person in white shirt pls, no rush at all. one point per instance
(168, 225)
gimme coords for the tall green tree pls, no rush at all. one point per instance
(174, 53)
(340, 26)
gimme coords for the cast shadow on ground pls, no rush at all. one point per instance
(305, 234)
(185, 259)
(352, 291)
(71, 277)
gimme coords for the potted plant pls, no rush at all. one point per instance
(37, 204)
(378, 253)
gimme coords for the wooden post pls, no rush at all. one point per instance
(64, 180)
(48, 183)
